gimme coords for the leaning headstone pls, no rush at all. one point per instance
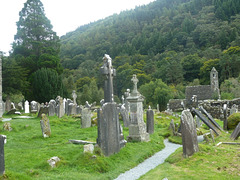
(150, 121)
(86, 118)
(45, 126)
(26, 106)
(189, 134)
(2, 160)
(236, 133)
(34, 107)
(137, 127)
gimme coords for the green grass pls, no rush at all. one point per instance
(27, 152)
(211, 162)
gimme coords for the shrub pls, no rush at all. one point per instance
(233, 120)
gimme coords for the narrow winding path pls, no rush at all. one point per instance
(150, 163)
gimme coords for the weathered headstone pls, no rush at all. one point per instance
(45, 126)
(43, 110)
(198, 122)
(150, 121)
(108, 119)
(8, 104)
(51, 109)
(189, 134)
(26, 106)
(61, 110)
(125, 115)
(172, 128)
(2, 160)
(34, 107)
(74, 95)
(234, 109)
(236, 133)
(158, 108)
(86, 118)
(225, 108)
(137, 127)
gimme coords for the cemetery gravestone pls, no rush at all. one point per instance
(2, 160)
(86, 118)
(225, 116)
(189, 134)
(45, 126)
(1, 102)
(43, 110)
(108, 120)
(8, 104)
(150, 121)
(51, 109)
(61, 110)
(34, 107)
(234, 109)
(125, 115)
(26, 106)
(137, 127)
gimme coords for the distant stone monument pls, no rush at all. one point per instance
(189, 134)
(1, 102)
(45, 126)
(2, 160)
(60, 110)
(109, 133)
(137, 127)
(34, 107)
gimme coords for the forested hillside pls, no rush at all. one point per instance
(177, 41)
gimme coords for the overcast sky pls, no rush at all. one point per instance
(65, 15)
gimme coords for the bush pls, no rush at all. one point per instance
(233, 120)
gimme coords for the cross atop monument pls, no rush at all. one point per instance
(135, 81)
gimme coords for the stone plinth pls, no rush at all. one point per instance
(137, 127)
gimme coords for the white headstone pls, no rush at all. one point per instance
(26, 106)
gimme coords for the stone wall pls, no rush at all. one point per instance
(203, 92)
(176, 104)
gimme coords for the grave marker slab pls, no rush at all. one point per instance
(2, 160)
(45, 126)
(236, 133)
(86, 118)
(150, 121)
(189, 134)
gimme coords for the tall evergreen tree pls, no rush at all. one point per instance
(36, 45)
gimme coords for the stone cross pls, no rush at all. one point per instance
(74, 95)
(109, 72)
(135, 81)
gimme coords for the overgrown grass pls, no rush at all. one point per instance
(27, 152)
(211, 162)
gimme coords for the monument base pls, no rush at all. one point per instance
(137, 132)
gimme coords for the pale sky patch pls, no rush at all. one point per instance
(65, 15)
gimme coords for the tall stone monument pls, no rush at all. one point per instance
(137, 127)
(214, 83)
(150, 121)
(109, 134)
(189, 134)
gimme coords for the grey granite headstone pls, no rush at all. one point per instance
(189, 134)
(150, 121)
(45, 126)
(125, 115)
(108, 129)
(234, 109)
(236, 133)
(61, 110)
(51, 109)
(43, 110)
(172, 128)
(86, 118)
(8, 104)
(137, 127)
(2, 160)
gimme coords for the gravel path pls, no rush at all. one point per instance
(150, 163)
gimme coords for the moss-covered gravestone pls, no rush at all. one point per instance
(44, 122)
